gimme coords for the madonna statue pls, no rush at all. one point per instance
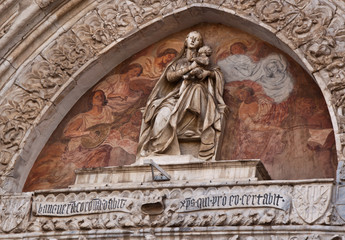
(184, 105)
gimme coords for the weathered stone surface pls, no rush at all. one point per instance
(312, 201)
(315, 28)
(14, 212)
(12, 27)
(164, 207)
(194, 171)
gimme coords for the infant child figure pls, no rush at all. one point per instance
(201, 61)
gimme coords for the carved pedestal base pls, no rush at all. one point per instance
(169, 160)
(175, 210)
(191, 170)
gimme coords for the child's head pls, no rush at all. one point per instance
(206, 50)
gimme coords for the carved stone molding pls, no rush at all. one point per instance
(339, 217)
(176, 207)
(208, 209)
(6, 25)
(44, 3)
(14, 212)
(312, 201)
(18, 111)
(314, 29)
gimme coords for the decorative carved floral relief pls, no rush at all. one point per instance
(240, 4)
(11, 134)
(328, 50)
(276, 13)
(117, 21)
(168, 6)
(336, 29)
(18, 110)
(68, 53)
(337, 89)
(311, 22)
(21, 106)
(143, 11)
(300, 4)
(334, 72)
(321, 52)
(92, 31)
(270, 11)
(42, 79)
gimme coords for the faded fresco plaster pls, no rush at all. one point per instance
(277, 113)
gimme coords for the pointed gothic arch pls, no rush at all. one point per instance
(50, 80)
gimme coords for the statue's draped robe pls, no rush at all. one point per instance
(194, 112)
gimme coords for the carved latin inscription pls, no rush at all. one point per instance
(250, 199)
(96, 205)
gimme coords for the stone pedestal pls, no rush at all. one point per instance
(191, 170)
(202, 200)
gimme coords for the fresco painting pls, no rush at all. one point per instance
(277, 112)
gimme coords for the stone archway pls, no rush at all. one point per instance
(74, 55)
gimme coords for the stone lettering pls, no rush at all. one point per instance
(97, 205)
(267, 199)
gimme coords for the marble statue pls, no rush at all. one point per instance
(185, 104)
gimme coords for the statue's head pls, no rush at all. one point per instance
(193, 40)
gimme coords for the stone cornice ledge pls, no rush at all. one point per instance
(199, 233)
